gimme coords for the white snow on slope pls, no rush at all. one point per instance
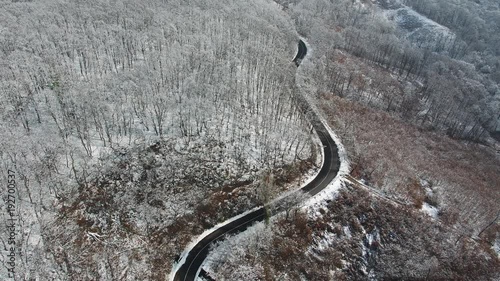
(328, 193)
(308, 178)
(430, 210)
(235, 245)
(332, 189)
(496, 247)
(417, 27)
(191, 245)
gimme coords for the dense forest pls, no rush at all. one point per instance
(412, 89)
(153, 103)
(447, 50)
(133, 126)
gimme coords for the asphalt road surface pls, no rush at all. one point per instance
(301, 53)
(188, 271)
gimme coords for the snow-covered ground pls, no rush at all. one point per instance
(193, 243)
(312, 204)
(496, 247)
(307, 91)
(330, 191)
(303, 181)
(238, 243)
(418, 28)
(121, 90)
(430, 210)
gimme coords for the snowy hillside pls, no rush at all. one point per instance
(419, 29)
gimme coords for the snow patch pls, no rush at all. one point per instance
(193, 243)
(236, 245)
(496, 247)
(326, 241)
(309, 177)
(417, 27)
(430, 210)
(347, 231)
(318, 200)
(332, 189)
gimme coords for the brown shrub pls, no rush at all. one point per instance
(390, 152)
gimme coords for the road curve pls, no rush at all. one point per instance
(301, 53)
(331, 164)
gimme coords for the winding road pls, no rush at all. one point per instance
(301, 53)
(331, 164)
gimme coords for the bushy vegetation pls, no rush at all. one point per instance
(135, 125)
(424, 206)
(150, 203)
(89, 85)
(356, 237)
(448, 81)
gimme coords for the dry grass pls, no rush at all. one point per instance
(150, 216)
(405, 245)
(395, 156)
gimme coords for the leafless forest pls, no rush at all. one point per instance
(127, 120)
(130, 127)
